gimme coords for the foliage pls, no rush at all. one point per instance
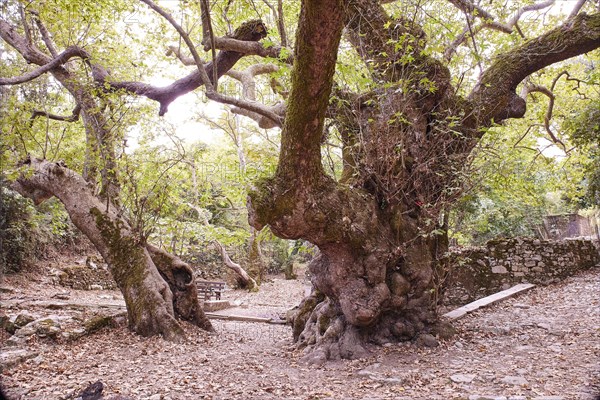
(183, 193)
(26, 233)
(584, 128)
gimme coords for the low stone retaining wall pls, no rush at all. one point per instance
(476, 272)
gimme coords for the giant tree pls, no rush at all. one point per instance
(406, 136)
(404, 144)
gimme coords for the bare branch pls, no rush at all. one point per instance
(45, 34)
(247, 79)
(70, 52)
(185, 60)
(489, 23)
(577, 8)
(494, 96)
(69, 118)
(250, 106)
(532, 7)
(198, 61)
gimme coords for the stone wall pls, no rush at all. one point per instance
(476, 272)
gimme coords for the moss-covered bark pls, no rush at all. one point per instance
(180, 277)
(406, 143)
(149, 299)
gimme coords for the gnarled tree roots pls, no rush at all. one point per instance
(343, 316)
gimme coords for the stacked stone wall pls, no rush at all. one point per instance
(475, 272)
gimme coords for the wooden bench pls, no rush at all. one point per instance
(208, 289)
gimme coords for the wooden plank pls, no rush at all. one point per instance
(245, 318)
(486, 301)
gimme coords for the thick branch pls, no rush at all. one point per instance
(62, 58)
(249, 31)
(494, 96)
(247, 79)
(248, 48)
(251, 48)
(31, 53)
(317, 41)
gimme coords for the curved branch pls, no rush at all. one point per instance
(531, 88)
(69, 118)
(246, 78)
(247, 280)
(185, 60)
(70, 52)
(470, 32)
(531, 7)
(494, 97)
(198, 61)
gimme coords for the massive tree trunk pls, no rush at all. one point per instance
(154, 297)
(380, 229)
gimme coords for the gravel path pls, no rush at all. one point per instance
(540, 345)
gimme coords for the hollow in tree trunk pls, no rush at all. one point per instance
(152, 304)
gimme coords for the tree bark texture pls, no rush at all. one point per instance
(380, 229)
(154, 297)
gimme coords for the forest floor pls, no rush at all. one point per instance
(543, 344)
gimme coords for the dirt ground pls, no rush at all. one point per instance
(543, 344)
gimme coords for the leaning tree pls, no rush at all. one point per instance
(406, 137)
